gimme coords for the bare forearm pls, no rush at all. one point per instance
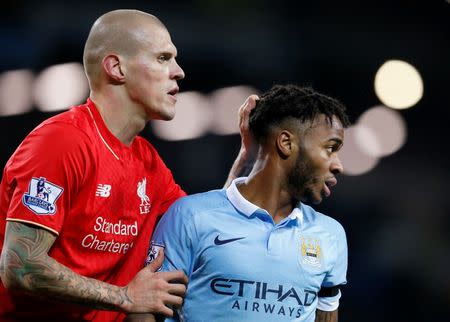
(325, 316)
(241, 166)
(26, 266)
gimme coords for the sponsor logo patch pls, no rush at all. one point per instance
(41, 196)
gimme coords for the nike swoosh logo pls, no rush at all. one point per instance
(218, 241)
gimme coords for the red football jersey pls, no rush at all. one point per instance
(73, 177)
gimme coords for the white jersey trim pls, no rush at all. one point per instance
(329, 303)
(248, 208)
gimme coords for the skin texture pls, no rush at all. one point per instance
(298, 162)
(323, 316)
(130, 62)
(317, 162)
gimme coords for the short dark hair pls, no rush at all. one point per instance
(285, 101)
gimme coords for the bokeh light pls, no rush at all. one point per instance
(15, 92)
(398, 84)
(191, 119)
(60, 86)
(354, 160)
(226, 102)
(380, 131)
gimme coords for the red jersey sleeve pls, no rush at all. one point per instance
(44, 173)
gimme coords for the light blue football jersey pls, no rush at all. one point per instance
(244, 267)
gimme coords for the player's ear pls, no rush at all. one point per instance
(112, 66)
(286, 143)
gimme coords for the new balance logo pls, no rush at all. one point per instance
(103, 190)
(218, 241)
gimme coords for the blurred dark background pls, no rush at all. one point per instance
(397, 216)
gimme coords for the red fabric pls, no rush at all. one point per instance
(103, 222)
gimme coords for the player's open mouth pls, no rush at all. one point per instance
(327, 186)
(173, 92)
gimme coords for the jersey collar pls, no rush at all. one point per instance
(248, 208)
(113, 144)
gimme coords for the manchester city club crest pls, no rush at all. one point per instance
(311, 251)
(41, 196)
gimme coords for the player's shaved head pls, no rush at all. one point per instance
(121, 32)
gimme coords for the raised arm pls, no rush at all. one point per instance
(247, 153)
(26, 266)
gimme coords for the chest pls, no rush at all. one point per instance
(287, 260)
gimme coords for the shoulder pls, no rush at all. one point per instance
(69, 125)
(202, 202)
(327, 223)
(192, 212)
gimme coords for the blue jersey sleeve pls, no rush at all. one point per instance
(337, 274)
(175, 232)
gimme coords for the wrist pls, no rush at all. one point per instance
(125, 303)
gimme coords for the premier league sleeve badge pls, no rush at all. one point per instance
(41, 196)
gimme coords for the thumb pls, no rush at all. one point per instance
(158, 261)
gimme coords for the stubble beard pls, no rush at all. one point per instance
(301, 181)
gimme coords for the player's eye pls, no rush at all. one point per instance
(164, 58)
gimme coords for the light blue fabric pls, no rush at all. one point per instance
(244, 267)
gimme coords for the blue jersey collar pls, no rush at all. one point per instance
(247, 208)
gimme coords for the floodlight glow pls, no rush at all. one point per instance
(380, 132)
(15, 92)
(398, 84)
(225, 103)
(59, 87)
(355, 161)
(191, 119)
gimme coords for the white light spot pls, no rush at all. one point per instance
(398, 84)
(15, 92)
(380, 132)
(226, 102)
(354, 160)
(191, 119)
(59, 87)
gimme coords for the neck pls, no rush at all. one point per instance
(121, 117)
(266, 187)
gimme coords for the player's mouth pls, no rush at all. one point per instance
(173, 92)
(327, 186)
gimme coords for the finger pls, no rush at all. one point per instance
(174, 276)
(173, 300)
(248, 105)
(167, 311)
(157, 263)
(177, 289)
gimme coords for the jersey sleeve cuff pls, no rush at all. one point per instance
(329, 303)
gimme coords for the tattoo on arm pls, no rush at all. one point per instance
(324, 316)
(25, 264)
